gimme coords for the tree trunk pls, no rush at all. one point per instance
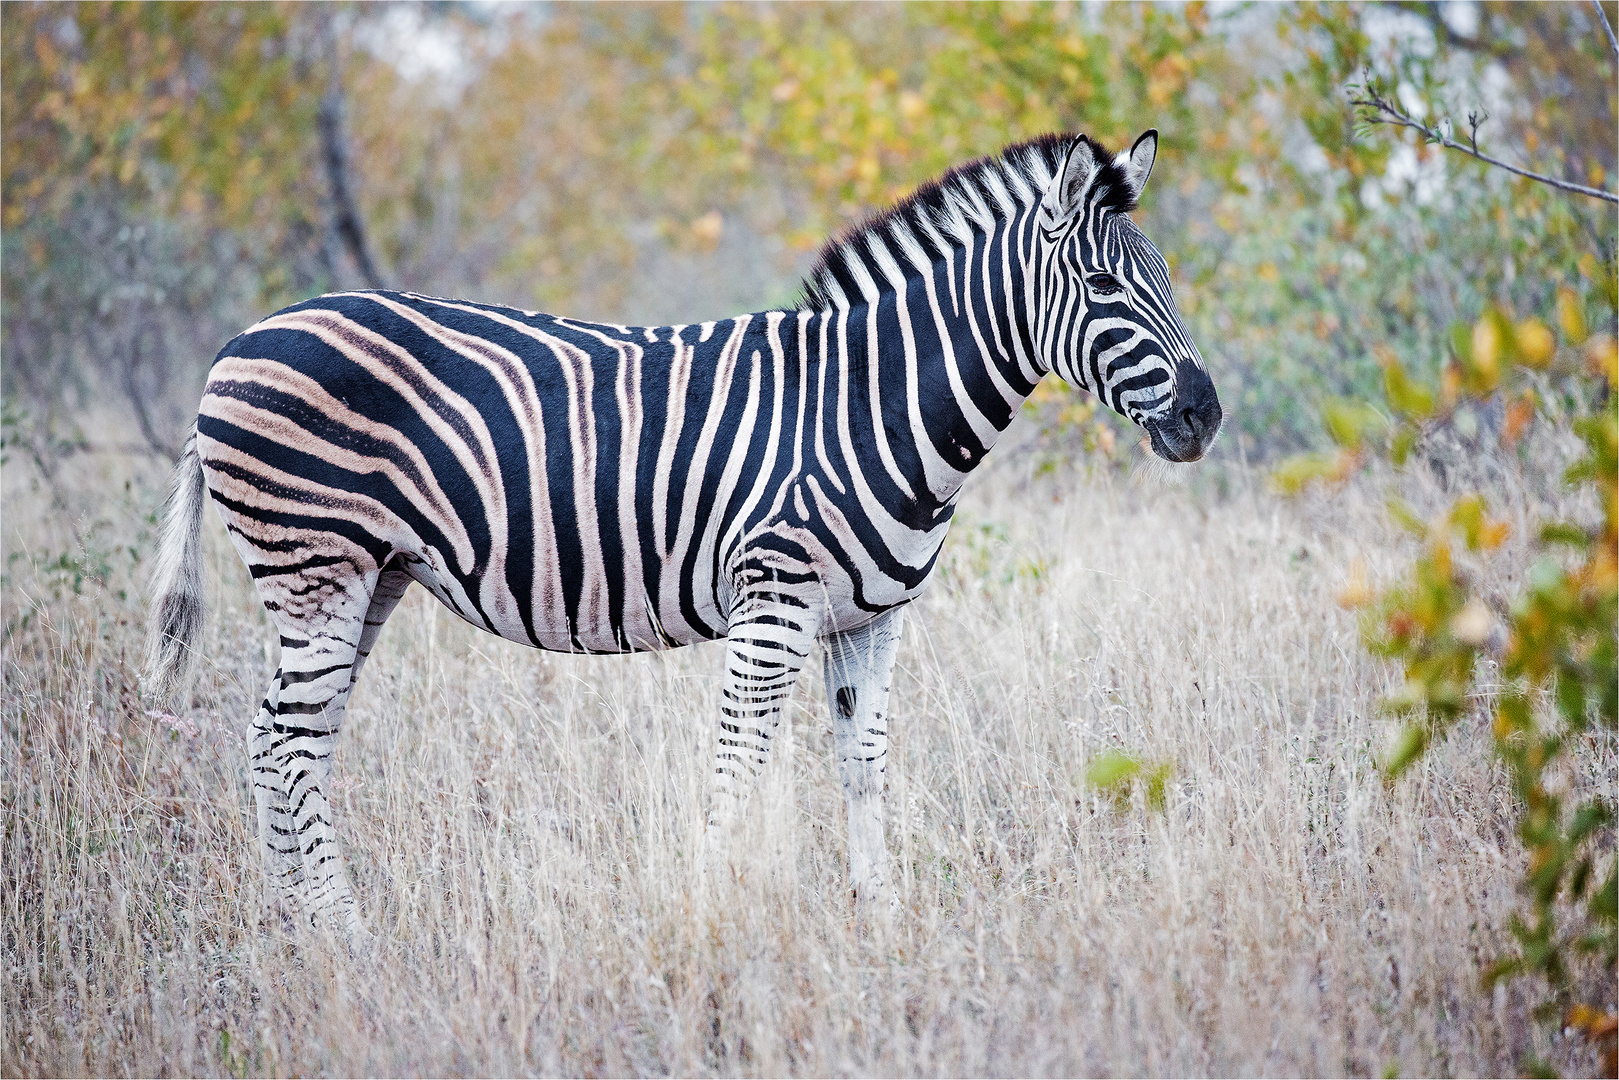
(346, 222)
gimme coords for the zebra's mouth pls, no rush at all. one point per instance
(1184, 436)
(1174, 445)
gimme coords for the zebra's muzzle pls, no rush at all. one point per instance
(1185, 432)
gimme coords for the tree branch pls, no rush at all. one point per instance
(132, 388)
(1602, 17)
(346, 219)
(1385, 111)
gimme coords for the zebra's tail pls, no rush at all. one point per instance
(177, 598)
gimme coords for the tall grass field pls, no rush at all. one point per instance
(523, 829)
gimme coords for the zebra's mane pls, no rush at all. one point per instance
(969, 200)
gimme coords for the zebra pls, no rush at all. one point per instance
(773, 479)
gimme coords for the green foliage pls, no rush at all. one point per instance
(1554, 645)
(566, 148)
(1333, 252)
(983, 559)
(1116, 774)
(163, 102)
(869, 101)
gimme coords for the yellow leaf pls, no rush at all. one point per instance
(1535, 343)
(1502, 726)
(708, 229)
(1440, 554)
(1571, 315)
(1074, 45)
(1471, 625)
(1486, 349)
(1357, 590)
(1450, 385)
(1268, 272)
(1602, 359)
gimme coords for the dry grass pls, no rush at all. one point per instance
(521, 831)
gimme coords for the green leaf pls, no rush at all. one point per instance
(1158, 785)
(1588, 818)
(1405, 396)
(1296, 473)
(1404, 441)
(1604, 906)
(1563, 532)
(1112, 770)
(1406, 518)
(1467, 514)
(1413, 741)
(1349, 422)
(1461, 342)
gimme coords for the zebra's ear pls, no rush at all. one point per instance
(1067, 191)
(1137, 164)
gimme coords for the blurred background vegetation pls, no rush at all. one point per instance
(1371, 304)
(174, 171)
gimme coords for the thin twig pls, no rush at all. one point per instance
(1602, 17)
(1389, 113)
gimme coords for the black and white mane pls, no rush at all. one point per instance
(969, 200)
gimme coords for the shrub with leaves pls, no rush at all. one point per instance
(1549, 650)
(1553, 645)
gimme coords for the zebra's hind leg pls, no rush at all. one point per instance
(279, 838)
(283, 861)
(391, 587)
(859, 671)
(317, 674)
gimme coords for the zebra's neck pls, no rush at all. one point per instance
(940, 283)
(945, 357)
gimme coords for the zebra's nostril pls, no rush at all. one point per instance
(1189, 417)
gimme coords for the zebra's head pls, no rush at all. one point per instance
(1105, 318)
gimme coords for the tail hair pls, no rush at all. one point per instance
(177, 592)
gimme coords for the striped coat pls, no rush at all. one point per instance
(583, 487)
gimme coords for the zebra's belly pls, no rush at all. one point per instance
(547, 608)
(615, 611)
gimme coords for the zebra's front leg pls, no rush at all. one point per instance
(767, 643)
(859, 671)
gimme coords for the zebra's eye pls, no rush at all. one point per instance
(1104, 283)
